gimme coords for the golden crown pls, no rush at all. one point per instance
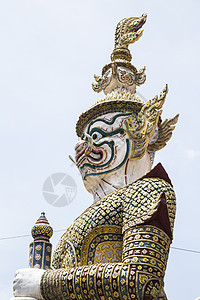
(118, 82)
(124, 80)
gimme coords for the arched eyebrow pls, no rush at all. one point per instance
(107, 121)
(105, 134)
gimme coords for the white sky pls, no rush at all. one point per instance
(49, 52)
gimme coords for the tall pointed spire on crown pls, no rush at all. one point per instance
(120, 73)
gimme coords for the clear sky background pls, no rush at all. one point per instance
(49, 51)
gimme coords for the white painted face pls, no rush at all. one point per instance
(104, 148)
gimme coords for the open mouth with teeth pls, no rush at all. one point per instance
(93, 156)
(96, 155)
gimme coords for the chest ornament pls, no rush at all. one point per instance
(103, 244)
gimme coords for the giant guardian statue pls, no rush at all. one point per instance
(118, 248)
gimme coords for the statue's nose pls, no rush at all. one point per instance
(89, 141)
(86, 143)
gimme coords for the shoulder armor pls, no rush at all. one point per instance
(141, 200)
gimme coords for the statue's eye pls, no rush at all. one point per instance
(96, 136)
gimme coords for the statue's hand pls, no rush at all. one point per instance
(27, 283)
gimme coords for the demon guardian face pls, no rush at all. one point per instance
(104, 149)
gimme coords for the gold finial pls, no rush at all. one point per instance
(42, 230)
(127, 32)
(120, 73)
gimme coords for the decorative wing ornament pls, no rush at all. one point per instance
(141, 126)
(165, 130)
(144, 123)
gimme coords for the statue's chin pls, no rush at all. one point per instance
(100, 185)
(91, 182)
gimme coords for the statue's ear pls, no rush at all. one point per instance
(151, 112)
(142, 126)
(165, 130)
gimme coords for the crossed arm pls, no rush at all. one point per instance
(138, 276)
